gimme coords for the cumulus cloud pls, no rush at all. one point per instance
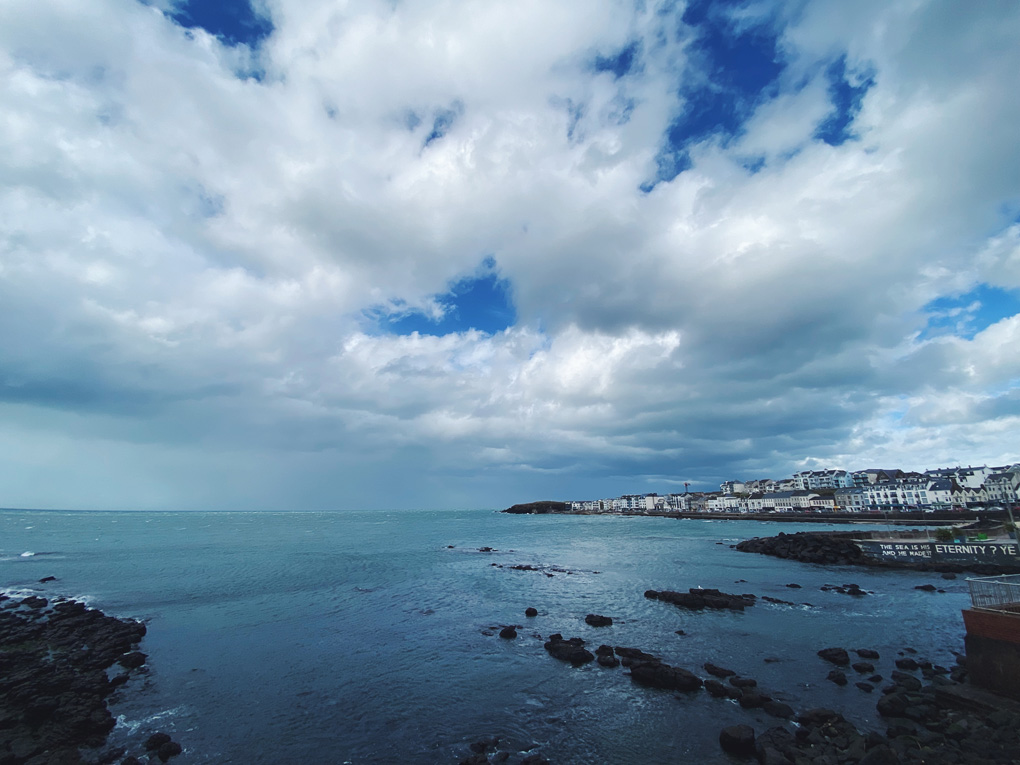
(200, 241)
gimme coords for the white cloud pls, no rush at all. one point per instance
(187, 252)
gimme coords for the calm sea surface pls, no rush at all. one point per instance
(358, 637)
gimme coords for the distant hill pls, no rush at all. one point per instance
(544, 506)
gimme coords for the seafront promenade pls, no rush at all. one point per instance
(936, 518)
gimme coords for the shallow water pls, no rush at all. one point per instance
(358, 637)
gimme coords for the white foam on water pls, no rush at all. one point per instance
(27, 554)
(131, 726)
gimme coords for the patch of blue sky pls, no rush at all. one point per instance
(233, 21)
(740, 68)
(968, 314)
(443, 121)
(621, 63)
(482, 301)
(846, 92)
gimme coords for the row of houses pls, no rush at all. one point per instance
(835, 490)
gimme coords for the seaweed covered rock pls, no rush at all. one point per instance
(697, 598)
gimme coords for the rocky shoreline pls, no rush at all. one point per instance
(929, 712)
(60, 663)
(837, 548)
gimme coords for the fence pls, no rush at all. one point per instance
(996, 593)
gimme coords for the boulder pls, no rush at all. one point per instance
(717, 671)
(509, 632)
(837, 656)
(597, 620)
(717, 689)
(738, 740)
(867, 653)
(571, 650)
(838, 677)
(752, 699)
(778, 709)
(660, 675)
(531, 611)
(168, 750)
(156, 740)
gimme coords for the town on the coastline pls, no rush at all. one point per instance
(835, 490)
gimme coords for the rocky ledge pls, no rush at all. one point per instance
(54, 681)
(838, 548)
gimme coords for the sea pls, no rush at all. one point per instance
(372, 636)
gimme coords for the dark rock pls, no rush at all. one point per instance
(907, 664)
(540, 507)
(838, 677)
(629, 656)
(156, 740)
(905, 681)
(880, 755)
(866, 687)
(752, 699)
(863, 667)
(605, 657)
(738, 740)
(837, 656)
(597, 620)
(778, 709)
(568, 650)
(892, 704)
(485, 744)
(486, 549)
(34, 601)
(534, 759)
(793, 586)
(772, 746)
(818, 716)
(660, 675)
(132, 660)
(679, 632)
(926, 587)
(717, 671)
(531, 611)
(478, 758)
(867, 653)
(717, 689)
(509, 632)
(47, 579)
(697, 598)
(168, 750)
(130, 760)
(743, 682)
(949, 575)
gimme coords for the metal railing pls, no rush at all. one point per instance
(996, 593)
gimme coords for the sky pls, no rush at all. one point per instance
(334, 254)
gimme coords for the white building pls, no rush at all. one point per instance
(822, 479)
